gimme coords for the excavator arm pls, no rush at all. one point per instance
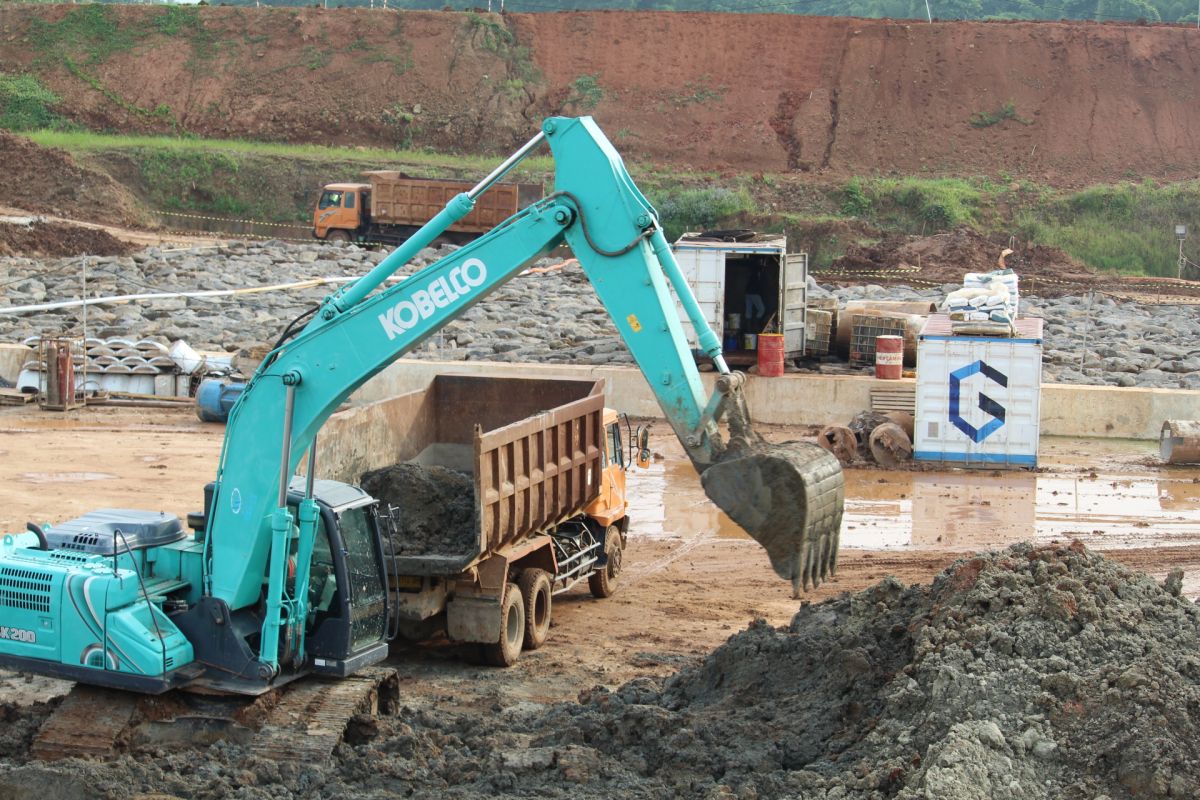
(788, 497)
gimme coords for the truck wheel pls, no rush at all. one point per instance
(338, 237)
(603, 582)
(507, 650)
(535, 592)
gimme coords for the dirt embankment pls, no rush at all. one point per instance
(42, 238)
(49, 181)
(1063, 102)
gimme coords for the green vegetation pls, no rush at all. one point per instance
(26, 105)
(86, 35)
(432, 164)
(1100, 10)
(586, 93)
(982, 119)
(914, 205)
(1127, 227)
(190, 180)
(494, 37)
(683, 209)
(315, 58)
(698, 93)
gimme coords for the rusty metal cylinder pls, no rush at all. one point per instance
(770, 355)
(839, 440)
(889, 357)
(1179, 441)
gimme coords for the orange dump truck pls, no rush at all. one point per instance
(540, 466)
(393, 206)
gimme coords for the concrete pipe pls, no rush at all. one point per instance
(1179, 441)
(839, 440)
(890, 445)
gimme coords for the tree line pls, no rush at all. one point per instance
(1170, 11)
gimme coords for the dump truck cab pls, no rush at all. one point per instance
(342, 210)
(610, 506)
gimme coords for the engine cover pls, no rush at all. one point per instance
(110, 530)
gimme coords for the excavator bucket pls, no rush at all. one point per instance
(788, 496)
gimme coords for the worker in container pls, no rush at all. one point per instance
(755, 308)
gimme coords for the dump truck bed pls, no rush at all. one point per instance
(534, 449)
(397, 199)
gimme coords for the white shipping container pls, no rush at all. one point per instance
(722, 273)
(978, 398)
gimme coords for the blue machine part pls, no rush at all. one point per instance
(215, 398)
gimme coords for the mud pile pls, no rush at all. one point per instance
(946, 257)
(52, 182)
(1030, 673)
(437, 508)
(59, 239)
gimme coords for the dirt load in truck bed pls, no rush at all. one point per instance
(437, 508)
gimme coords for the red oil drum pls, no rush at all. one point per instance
(770, 355)
(889, 357)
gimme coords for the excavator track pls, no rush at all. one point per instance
(90, 723)
(311, 718)
(301, 722)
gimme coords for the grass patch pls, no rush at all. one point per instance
(982, 119)
(690, 209)
(87, 35)
(1126, 227)
(915, 205)
(533, 167)
(698, 93)
(26, 105)
(586, 93)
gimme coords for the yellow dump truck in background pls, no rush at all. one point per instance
(393, 206)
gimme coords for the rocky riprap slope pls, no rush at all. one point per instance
(544, 316)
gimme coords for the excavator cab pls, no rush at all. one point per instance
(347, 585)
(346, 625)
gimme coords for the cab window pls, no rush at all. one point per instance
(349, 199)
(330, 200)
(615, 454)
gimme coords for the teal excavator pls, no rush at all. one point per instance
(129, 600)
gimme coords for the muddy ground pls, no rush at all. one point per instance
(692, 581)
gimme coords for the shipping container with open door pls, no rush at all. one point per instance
(745, 286)
(795, 303)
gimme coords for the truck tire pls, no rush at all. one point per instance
(536, 594)
(506, 651)
(338, 237)
(603, 582)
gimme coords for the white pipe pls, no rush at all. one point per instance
(130, 298)
(126, 298)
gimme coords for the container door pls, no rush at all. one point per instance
(704, 271)
(794, 303)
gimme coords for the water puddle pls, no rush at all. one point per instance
(64, 477)
(962, 510)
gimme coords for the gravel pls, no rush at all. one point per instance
(544, 316)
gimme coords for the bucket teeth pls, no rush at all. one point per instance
(789, 497)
